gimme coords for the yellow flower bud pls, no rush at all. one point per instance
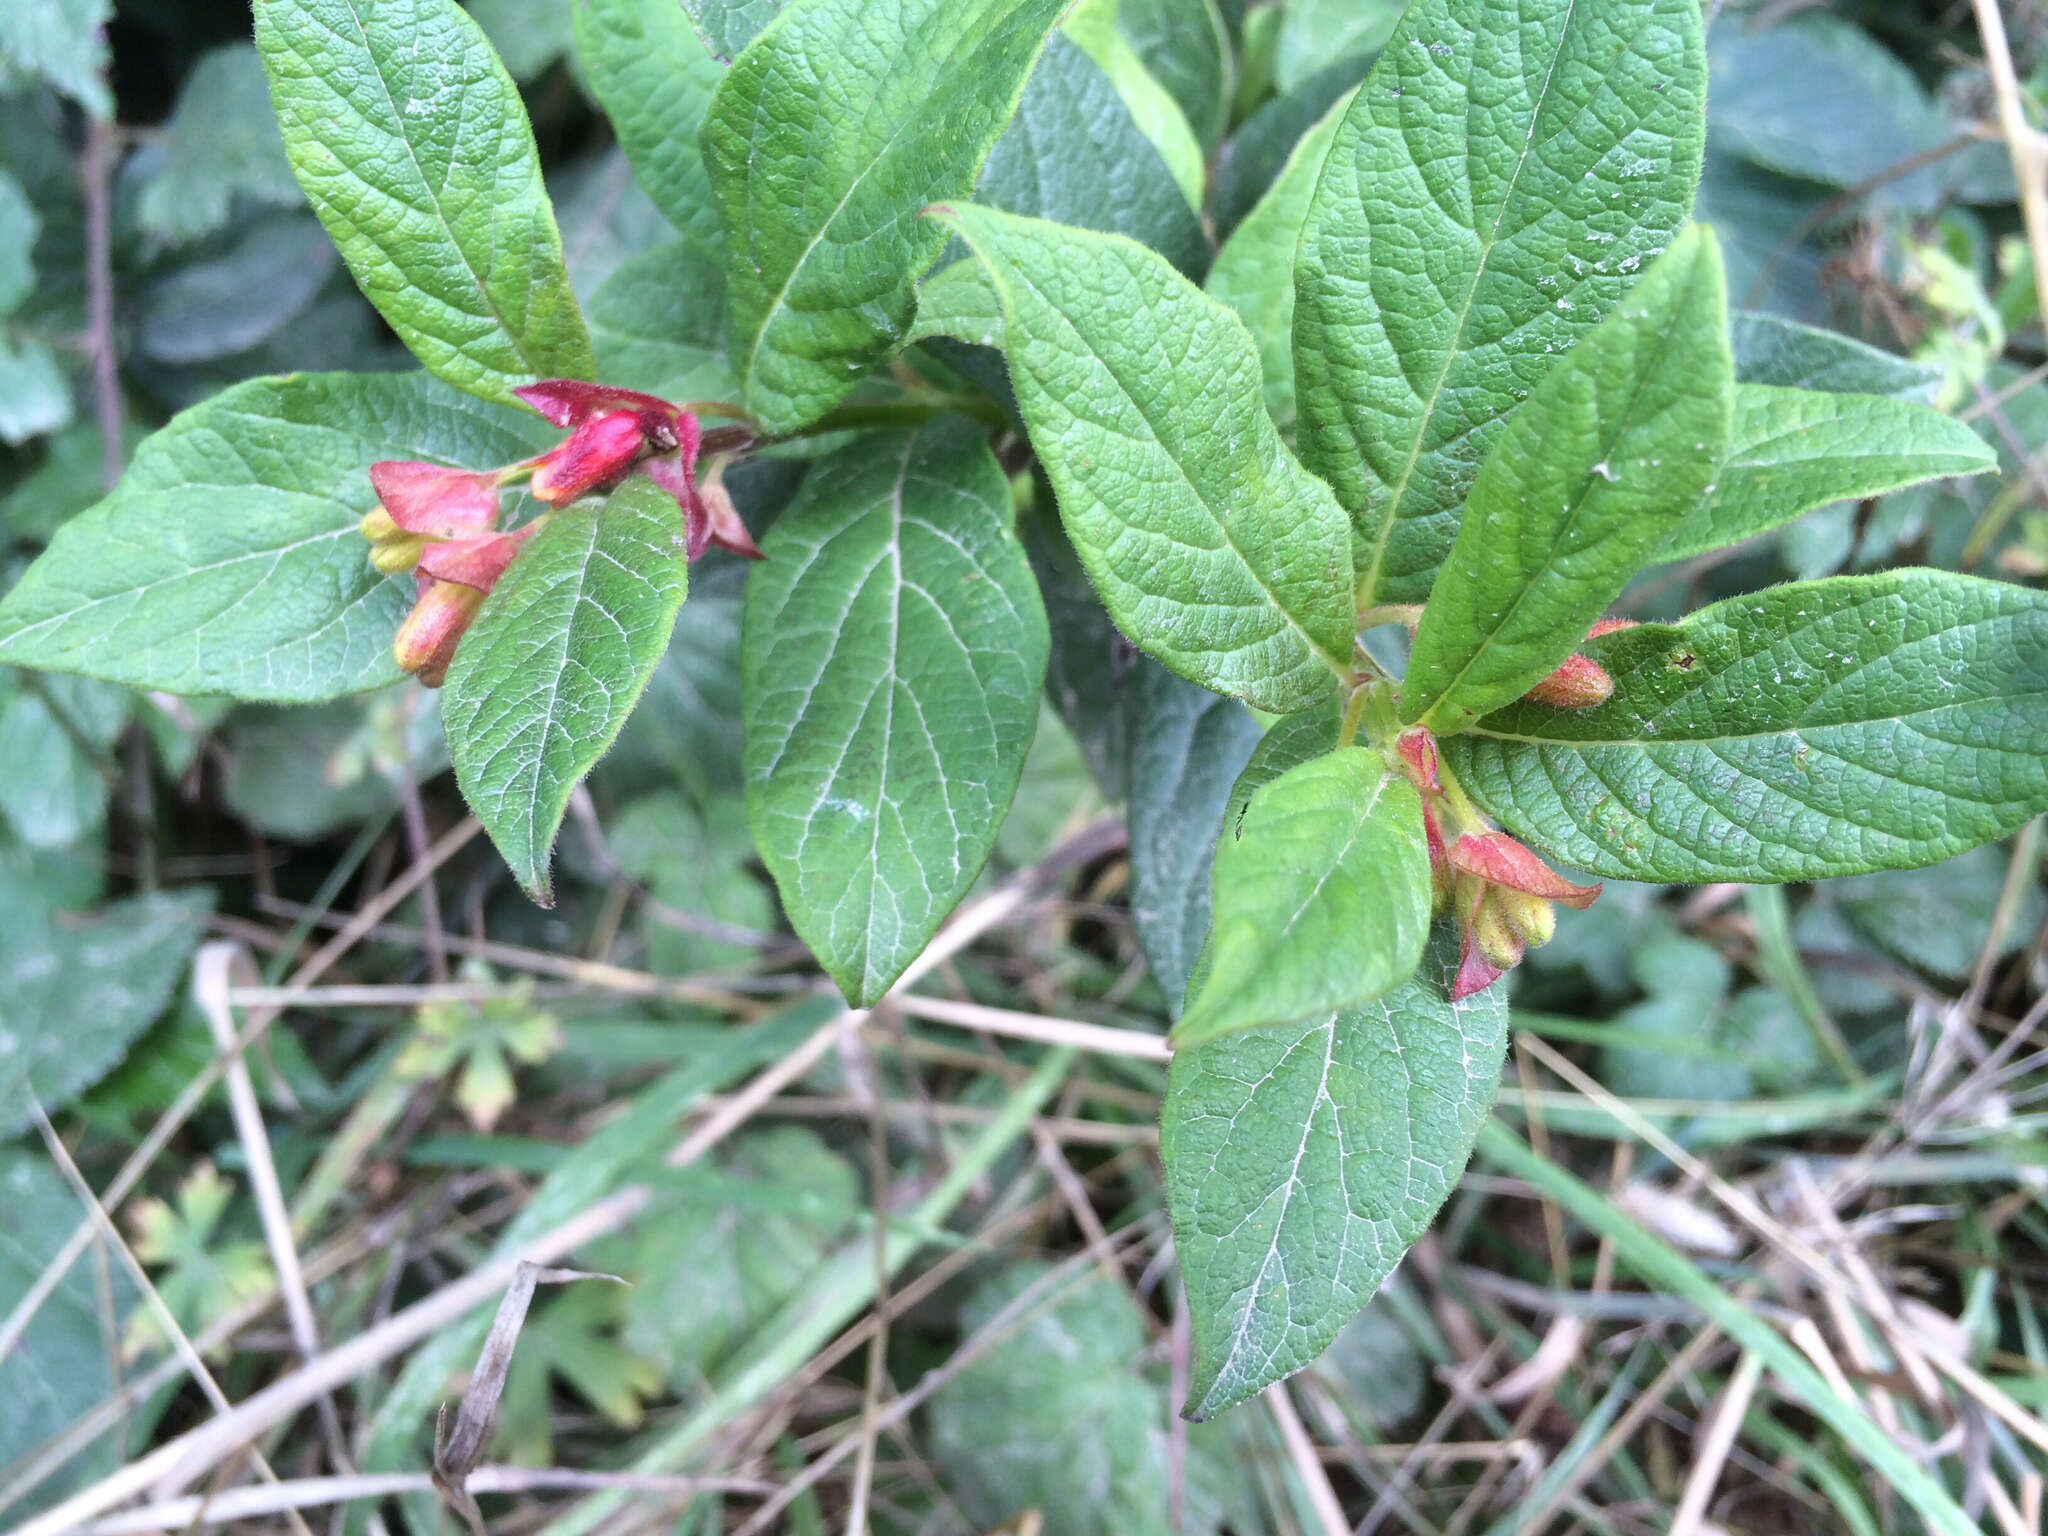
(392, 556)
(378, 525)
(1532, 918)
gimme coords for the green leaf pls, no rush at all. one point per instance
(659, 326)
(73, 995)
(1822, 728)
(724, 1251)
(1320, 896)
(304, 774)
(1615, 448)
(1939, 920)
(34, 398)
(1250, 160)
(556, 659)
(56, 755)
(1211, 547)
(1288, 743)
(1254, 272)
(890, 665)
(654, 77)
(727, 26)
(1184, 46)
(1188, 748)
(409, 140)
(1057, 1416)
(827, 135)
(221, 143)
(959, 301)
(1792, 450)
(228, 561)
(1302, 1162)
(62, 43)
(19, 227)
(1818, 98)
(1313, 33)
(1074, 155)
(1092, 25)
(269, 271)
(65, 1363)
(528, 35)
(1507, 168)
(1769, 350)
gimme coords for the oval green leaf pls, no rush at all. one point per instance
(1320, 898)
(1211, 547)
(558, 656)
(412, 146)
(1821, 728)
(892, 656)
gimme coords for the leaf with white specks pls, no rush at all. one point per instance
(1302, 1162)
(890, 665)
(1502, 174)
(558, 656)
(1816, 729)
(228, 560)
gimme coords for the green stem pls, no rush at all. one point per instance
(1354, 711)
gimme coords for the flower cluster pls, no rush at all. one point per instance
(1500, 894)
(441, 524)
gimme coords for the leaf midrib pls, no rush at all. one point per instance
(1340, 667)
(1454, 351)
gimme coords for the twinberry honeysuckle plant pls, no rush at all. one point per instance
(1461, 374)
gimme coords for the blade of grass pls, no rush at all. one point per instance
(1668, 1270)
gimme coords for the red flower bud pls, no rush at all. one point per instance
(1579, 683)
(571, 402)
(1608, 627)
(1417, 749)
(426, 641)
(597, 452)
(476, 563)
(1498, 859)
(432, 499)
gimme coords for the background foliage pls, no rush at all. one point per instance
(1770, 1115)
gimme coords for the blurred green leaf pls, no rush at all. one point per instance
(60, 42)
(1056, 1416)
(75, 990)
(1313, 33)
(659, 324)
(63, 1365)
(654, 77)
(221, 143)
(265, 277)
(1937, 919)
(1073, 154)
(726, 1249)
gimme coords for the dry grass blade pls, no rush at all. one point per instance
(458, 1455)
